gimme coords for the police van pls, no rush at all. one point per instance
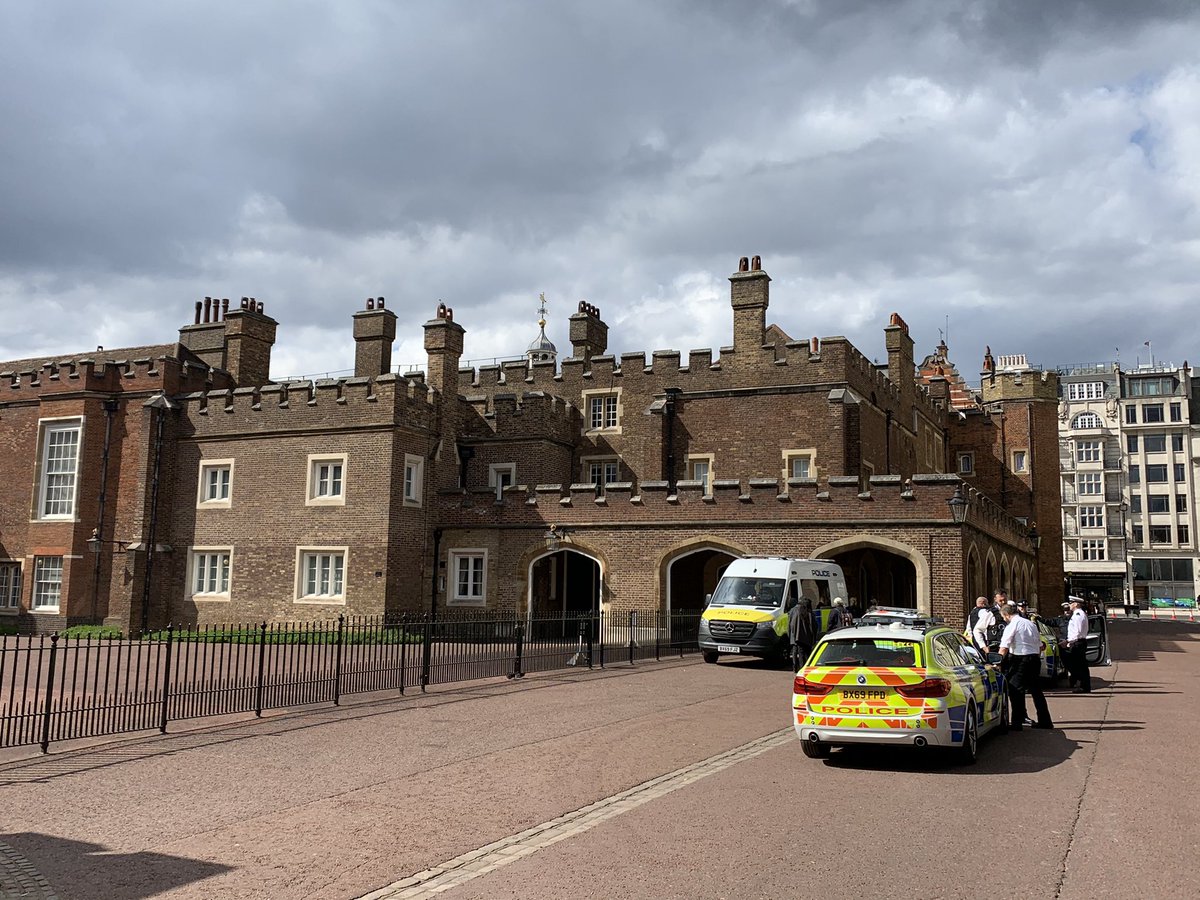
(748, 612)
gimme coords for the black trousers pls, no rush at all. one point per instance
(1024, 677)
(1077, 665)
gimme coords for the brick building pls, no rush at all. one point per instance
(541, 485)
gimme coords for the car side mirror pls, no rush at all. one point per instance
(995, 659)
(707, 599)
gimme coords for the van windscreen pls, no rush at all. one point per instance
(748, 592)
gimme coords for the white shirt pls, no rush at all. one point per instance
(985, 621)
(1021, 637)
(1077, 626)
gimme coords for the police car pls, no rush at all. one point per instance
(914, 683)
(886, 615)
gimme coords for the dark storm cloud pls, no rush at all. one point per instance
(1021, 167)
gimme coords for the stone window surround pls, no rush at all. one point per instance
(207, 465)
(311, 497)
(205, 597)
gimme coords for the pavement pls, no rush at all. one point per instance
(671, 779)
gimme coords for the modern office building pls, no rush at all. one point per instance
(1129, 497)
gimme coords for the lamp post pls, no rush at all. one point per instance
(959, 505)
(95, 542)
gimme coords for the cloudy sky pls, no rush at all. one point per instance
(1025, 173)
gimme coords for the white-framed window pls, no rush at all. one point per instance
(966, 464)
(468, 571)
(1085, 390)
(500, 476)
(321, 574)
(1091, 549)
(800, 463)
(208, 573)
(59, 463)
(1087, 451)
(1020, 461)
(1091, 517)
(601, 472)
(700, 468)
(10, 586)
(1091, 484)
(602, 410)
(216, 483)
(414, 479)
(326, 479)
(1086, 420)
(47, 583)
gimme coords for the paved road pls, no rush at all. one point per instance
(669, 780)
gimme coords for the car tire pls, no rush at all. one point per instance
(710, 656)
(969, 751)
(815, 749)
(1003, 726)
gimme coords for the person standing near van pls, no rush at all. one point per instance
(1076, 648)
(801, 632)
(840, 617)
(1020, 645)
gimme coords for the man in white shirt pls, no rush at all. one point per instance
(1075, 648)
(980, 620)
(1021, 645)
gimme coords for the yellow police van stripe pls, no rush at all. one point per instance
(738, 615)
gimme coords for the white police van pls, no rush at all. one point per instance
(748, 612)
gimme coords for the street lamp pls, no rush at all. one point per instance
(554, 536)
(958, 505)
(1035, 539)
(95, 541)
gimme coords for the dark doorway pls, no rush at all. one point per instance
(564, 586)
(692, 577)
(877, 577)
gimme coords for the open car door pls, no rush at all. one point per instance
(1097, 641)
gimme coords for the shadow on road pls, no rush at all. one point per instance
(1152, 638)
(42, 865)
(1030, 750)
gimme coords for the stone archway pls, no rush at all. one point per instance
(899, 572)
(689, 573)
(565, 584)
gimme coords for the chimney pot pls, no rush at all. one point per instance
(261, 306)
(743, 264)
(379, 303)
(370, 303)
(199, 307)
(207, 307)
(756, 264)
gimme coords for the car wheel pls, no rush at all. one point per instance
(969, 751)
(1003, 714)
(814, 749)
(710, 656)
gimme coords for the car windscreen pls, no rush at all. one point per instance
(869, 651)
(739, 591)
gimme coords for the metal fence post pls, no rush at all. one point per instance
(426, 653)
(403, 649)
(586, 625)
(600, 630)
(657, 633)
(262, 660)
(166, 683)
(632, 625)
(337, 661)
(49, 694)
(520, 635)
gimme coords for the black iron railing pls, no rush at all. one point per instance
(57, 688)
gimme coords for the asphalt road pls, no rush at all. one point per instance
(667, 780)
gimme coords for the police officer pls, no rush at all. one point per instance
(1076, 648)
(1020, 645)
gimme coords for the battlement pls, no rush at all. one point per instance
(326, 402)
(142, 374)
(921, 500)
(533, 414)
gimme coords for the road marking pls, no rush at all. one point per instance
(499, 853)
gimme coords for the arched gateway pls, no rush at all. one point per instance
(882, 571)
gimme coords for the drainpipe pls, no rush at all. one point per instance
(888, 438)
(669, 415)
(111, 406)
(160, 405)
(433, 581)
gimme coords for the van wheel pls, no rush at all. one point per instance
(969, 751)
(710, 656)
(814, 749)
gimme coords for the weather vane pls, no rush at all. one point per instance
(542, 309)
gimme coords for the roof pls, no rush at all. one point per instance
(150, 351)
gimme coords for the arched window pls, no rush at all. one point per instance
(1086, 420)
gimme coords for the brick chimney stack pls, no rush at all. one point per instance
(249, 336)
(374, 332)
(589, 334)
(750, 294)
(901, 369)
(444, 346)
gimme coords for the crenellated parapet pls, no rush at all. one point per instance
(142, 374)
(330, 403)
(532, 415)
(840, 500)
